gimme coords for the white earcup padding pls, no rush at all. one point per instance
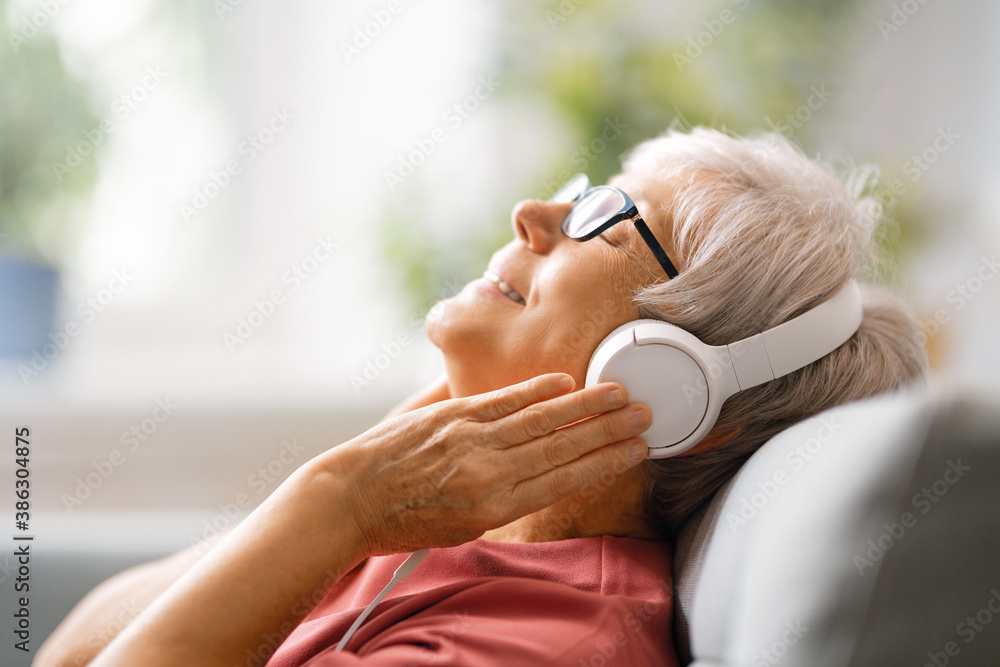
(665, 377)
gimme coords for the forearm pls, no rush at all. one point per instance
(259, 581)
(435, 477)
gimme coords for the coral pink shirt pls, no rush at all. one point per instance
(585, 602)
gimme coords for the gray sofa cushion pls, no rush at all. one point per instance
(937, 587)
(826, 550)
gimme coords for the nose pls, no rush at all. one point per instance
(538, 223)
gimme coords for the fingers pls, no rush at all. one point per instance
(568, 444)
(499, 404)
(550, 487)
(541, 419)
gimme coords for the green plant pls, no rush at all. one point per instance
(746, 65)
(43, 111)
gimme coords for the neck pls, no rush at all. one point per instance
(613, 508)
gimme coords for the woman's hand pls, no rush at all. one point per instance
(438, 476)
(445, 474)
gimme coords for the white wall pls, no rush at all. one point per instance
(908, 80)
(323, 177)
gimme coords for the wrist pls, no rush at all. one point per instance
(332, 481)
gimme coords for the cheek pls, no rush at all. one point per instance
(587, 309)
(574, 333)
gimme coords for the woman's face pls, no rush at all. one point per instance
(573, 294)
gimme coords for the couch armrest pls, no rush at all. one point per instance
(861, 539)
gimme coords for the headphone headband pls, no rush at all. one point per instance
(799, 341)
(685, 381)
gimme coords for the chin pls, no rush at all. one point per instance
(444, 324)
(466, 333)
(465, 323)
(483, 351)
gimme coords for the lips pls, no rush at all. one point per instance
(508, 291)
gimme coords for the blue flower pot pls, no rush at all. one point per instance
(27, 305)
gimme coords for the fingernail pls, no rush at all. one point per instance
(566, 384)
(615, 398)
(638, 418)
(637, 451)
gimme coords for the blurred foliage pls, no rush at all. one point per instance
(43, 112)
(50, 121)
(742, 65)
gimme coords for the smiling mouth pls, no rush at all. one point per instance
(504, 287)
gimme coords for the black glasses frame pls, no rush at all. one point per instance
(628, 211)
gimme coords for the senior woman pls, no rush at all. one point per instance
(552, 531)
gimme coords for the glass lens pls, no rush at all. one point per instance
(596, 208)
(572, 189)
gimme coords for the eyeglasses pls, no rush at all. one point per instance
(596, 209)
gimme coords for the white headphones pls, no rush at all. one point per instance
(685, 382)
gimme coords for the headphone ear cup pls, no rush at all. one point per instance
(667, 375)
(628, 326)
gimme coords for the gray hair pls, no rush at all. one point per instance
(761, 234)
